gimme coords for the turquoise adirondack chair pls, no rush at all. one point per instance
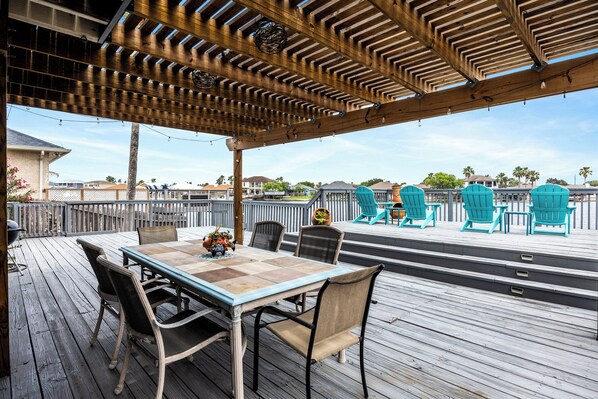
(416, 208)
(550, 207)
(478, 202)
(370, 209)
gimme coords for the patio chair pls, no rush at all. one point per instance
(166, 342)
(478, 202)
(416, 208)
(550, 207)
(343, 304)
(320, 243)
(370, 209)
(267, 235)
(108, 298)
(153, 235)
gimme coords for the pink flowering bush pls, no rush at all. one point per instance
(17, 189)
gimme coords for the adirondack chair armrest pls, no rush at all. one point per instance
(434, 204)
(571, 208)
(501, 207)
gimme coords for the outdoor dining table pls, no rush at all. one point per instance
(238, 282)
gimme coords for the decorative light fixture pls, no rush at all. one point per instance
(204, 80)
(270, 37)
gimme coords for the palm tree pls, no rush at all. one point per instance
(502, 179)
(585, 172)
(526, 174)
(518, 173)
(533, 176)
(468, 171)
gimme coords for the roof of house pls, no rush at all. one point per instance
(97, 182)
(220, 187)
(474, 178)
(21, 141)
(338, 185)
(257, 179)
(383, 185)
(122, 186)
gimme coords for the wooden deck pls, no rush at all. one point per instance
(425, 340)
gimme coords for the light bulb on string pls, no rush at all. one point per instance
(542, 85)
(98, 120)
(449, 111)
(60, 123)
(123, 122)
(320, 139)
(564, 94)
(524, 101)
(383, 119)
(211, 143)
(334, 134)
(169, 138)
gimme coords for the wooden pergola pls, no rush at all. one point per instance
(347, 65)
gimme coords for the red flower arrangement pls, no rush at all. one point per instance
(218, 242)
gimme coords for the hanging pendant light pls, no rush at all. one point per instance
(270, 37)
(204, 80)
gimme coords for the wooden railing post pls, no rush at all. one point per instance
(450, 209)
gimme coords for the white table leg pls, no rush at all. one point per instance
(236, 344)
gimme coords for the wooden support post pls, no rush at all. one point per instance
(4, 344)
(238, 195)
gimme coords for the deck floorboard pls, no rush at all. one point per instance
(425, 339)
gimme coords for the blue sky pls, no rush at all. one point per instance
(555, 136)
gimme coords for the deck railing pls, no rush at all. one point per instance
(88, 217)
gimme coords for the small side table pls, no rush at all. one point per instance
(528, 221)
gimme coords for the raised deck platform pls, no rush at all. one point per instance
(545, 267)
(425, 339)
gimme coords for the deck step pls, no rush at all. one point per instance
(563, 285)
(549, 259)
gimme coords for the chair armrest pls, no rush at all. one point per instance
(288, 315)
(571, 208)
(150, 281)
(434, 204)
(186, 320)
(159, 287)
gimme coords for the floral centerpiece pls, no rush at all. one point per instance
(218, 242)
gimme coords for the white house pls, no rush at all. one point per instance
(254, 185)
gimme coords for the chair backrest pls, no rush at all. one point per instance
(344, 302)
(267, 235)
(550, 203)
(478, 201)
(366, 200)
(157, 234)
(92, 252)
(132, 298)
(321, 243)
(414, 202)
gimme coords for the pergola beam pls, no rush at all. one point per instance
(146, 43)
(191, 23)
(511, 12)
(401, 13)
(101, 93)
(41, 40)
(566, 76)
(74, 71)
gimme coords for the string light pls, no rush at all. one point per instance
(419, 123)
(564, 94)
(123, 122)
(60, 123)
(542, 85)
(524, 101)
(383, 119)
(449, 111)
(320, 139)
(91, 120)
(182, 138)
(168, 138)
(98, 120)
(334, 133)
(211, 143)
